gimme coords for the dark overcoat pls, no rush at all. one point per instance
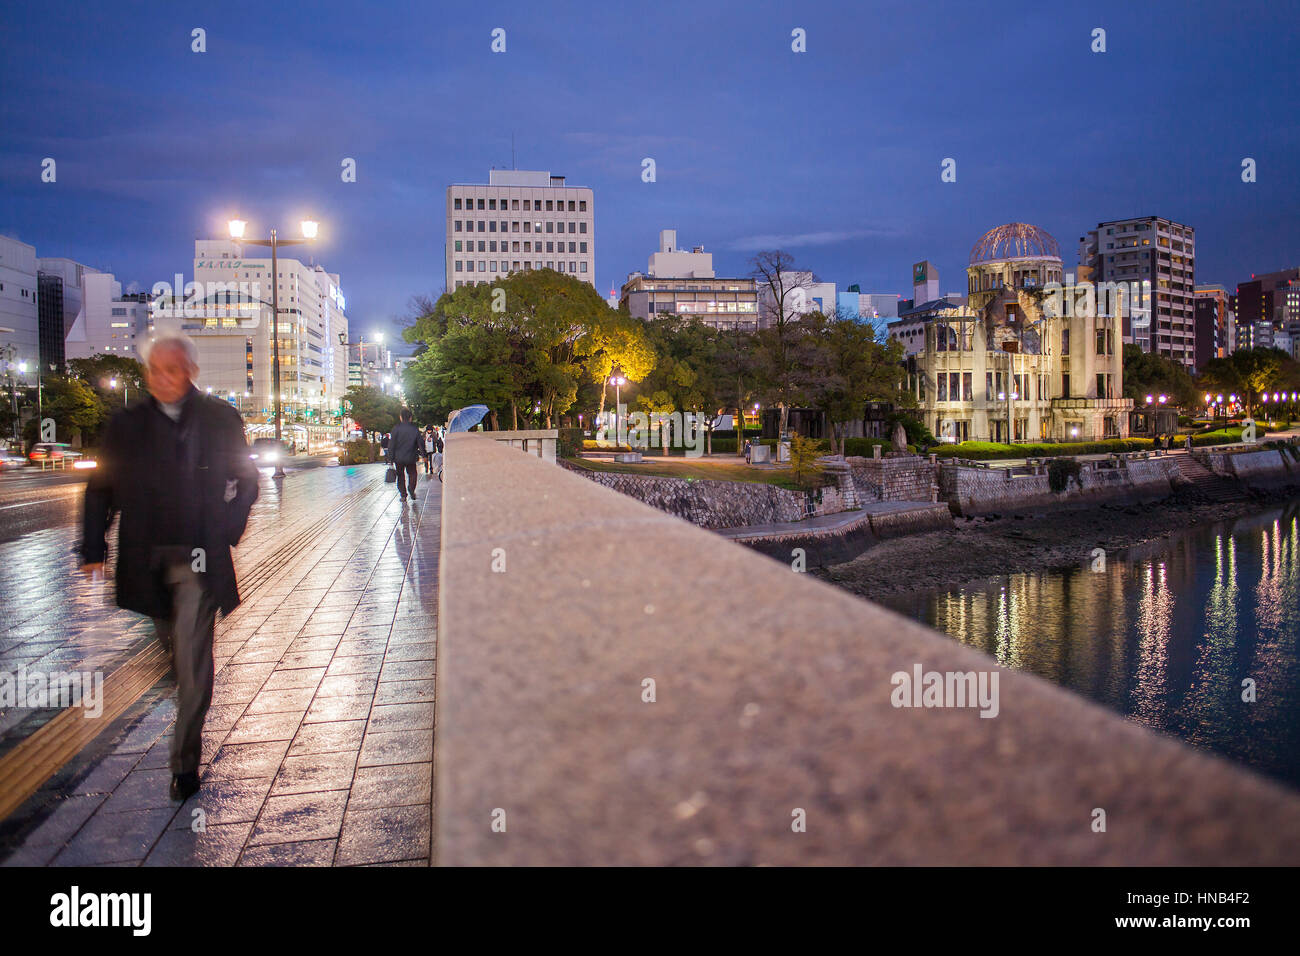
(127, 482)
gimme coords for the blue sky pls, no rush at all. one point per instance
(833, 154)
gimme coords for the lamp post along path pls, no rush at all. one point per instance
(309, 228)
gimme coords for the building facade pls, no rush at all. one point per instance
(108, 322)
(19, 312)
(1271, 298)
(1211, 311)
(683, 283)
(1162, 252)
(519, 221)
(60, 283)
(1030, 356)
(227, 311)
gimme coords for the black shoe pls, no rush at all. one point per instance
(184, 786)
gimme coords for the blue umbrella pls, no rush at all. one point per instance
(463, 419)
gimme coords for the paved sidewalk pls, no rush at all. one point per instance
(318, 748)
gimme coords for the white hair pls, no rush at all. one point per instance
(173, 340)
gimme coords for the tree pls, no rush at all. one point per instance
(1147, 373)
(1249, 373)
(371, 409)
(619, 342)
(783, 294)
(684, 376)
(853, 368)
(74, 406)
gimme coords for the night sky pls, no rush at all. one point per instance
(833, 154)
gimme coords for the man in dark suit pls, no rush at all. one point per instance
(404, 452)
(175, 467)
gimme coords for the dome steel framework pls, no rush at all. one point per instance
(1015, 240)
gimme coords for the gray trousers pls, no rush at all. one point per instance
(189, 635)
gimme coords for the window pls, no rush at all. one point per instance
(572, 246)
(967, 394)
(550, 227)
(121, 312)
(514, 204)
(455, 203)
(1065, 341)
(458, 249)
(528, 226)
(584, 267)
(492, 225)
(550, 205)
(943, 387)
(480, 226)
(573, 267)
(550, 247)
(573, 227)
(492, 204)
(582, 228)
(457, 226)
(582, 205)
(528, 205)
(481, 244)
(514, 227)
(492, 266)
(528, 247)
(571, 205)
(503, 224)
(582, 247)
(492, 246)
(954, 386)
(458, 269)
(480, 204)
(1065, 385)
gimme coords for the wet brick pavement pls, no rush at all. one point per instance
(318, 748)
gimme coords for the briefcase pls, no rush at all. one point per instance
(390, 476)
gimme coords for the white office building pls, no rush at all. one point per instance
(19, 319)
(108, 322)
(227, 311)
(519, 221)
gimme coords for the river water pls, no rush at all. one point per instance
(1164, 633)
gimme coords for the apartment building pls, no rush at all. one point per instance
(1162, 252)
(519, 220)
(108, 322)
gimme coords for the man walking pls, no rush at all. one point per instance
(176, 469)
(404, 452)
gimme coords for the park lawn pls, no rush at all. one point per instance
(707, 468)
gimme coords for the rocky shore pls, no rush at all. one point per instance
(1035, 540)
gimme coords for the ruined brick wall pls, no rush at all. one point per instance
(717, 504)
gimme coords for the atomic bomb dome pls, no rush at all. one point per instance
(1015, 240)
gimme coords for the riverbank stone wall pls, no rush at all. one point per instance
(717, 504)
(970, 490)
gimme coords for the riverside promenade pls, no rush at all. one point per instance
(318, 748)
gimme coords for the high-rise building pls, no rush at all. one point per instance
(683, 283)
(19, 315)
(227, 312)
(1211, 310)
(1273, 297)
(60, 285)
(1159, 251)
(519, 221)
(108, 322)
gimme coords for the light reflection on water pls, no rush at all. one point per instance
(1165, 634)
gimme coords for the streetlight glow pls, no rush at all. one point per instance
(237, 228)
(309, 227)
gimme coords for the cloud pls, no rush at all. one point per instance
(799, 239)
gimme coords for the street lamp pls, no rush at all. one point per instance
(618, 381)
(309, 229)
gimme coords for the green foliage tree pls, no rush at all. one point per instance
(850, 368)
(76, 409)
(1249, 373)
(1146, 373)
(371, 409)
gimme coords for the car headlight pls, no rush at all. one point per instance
(271, 456)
